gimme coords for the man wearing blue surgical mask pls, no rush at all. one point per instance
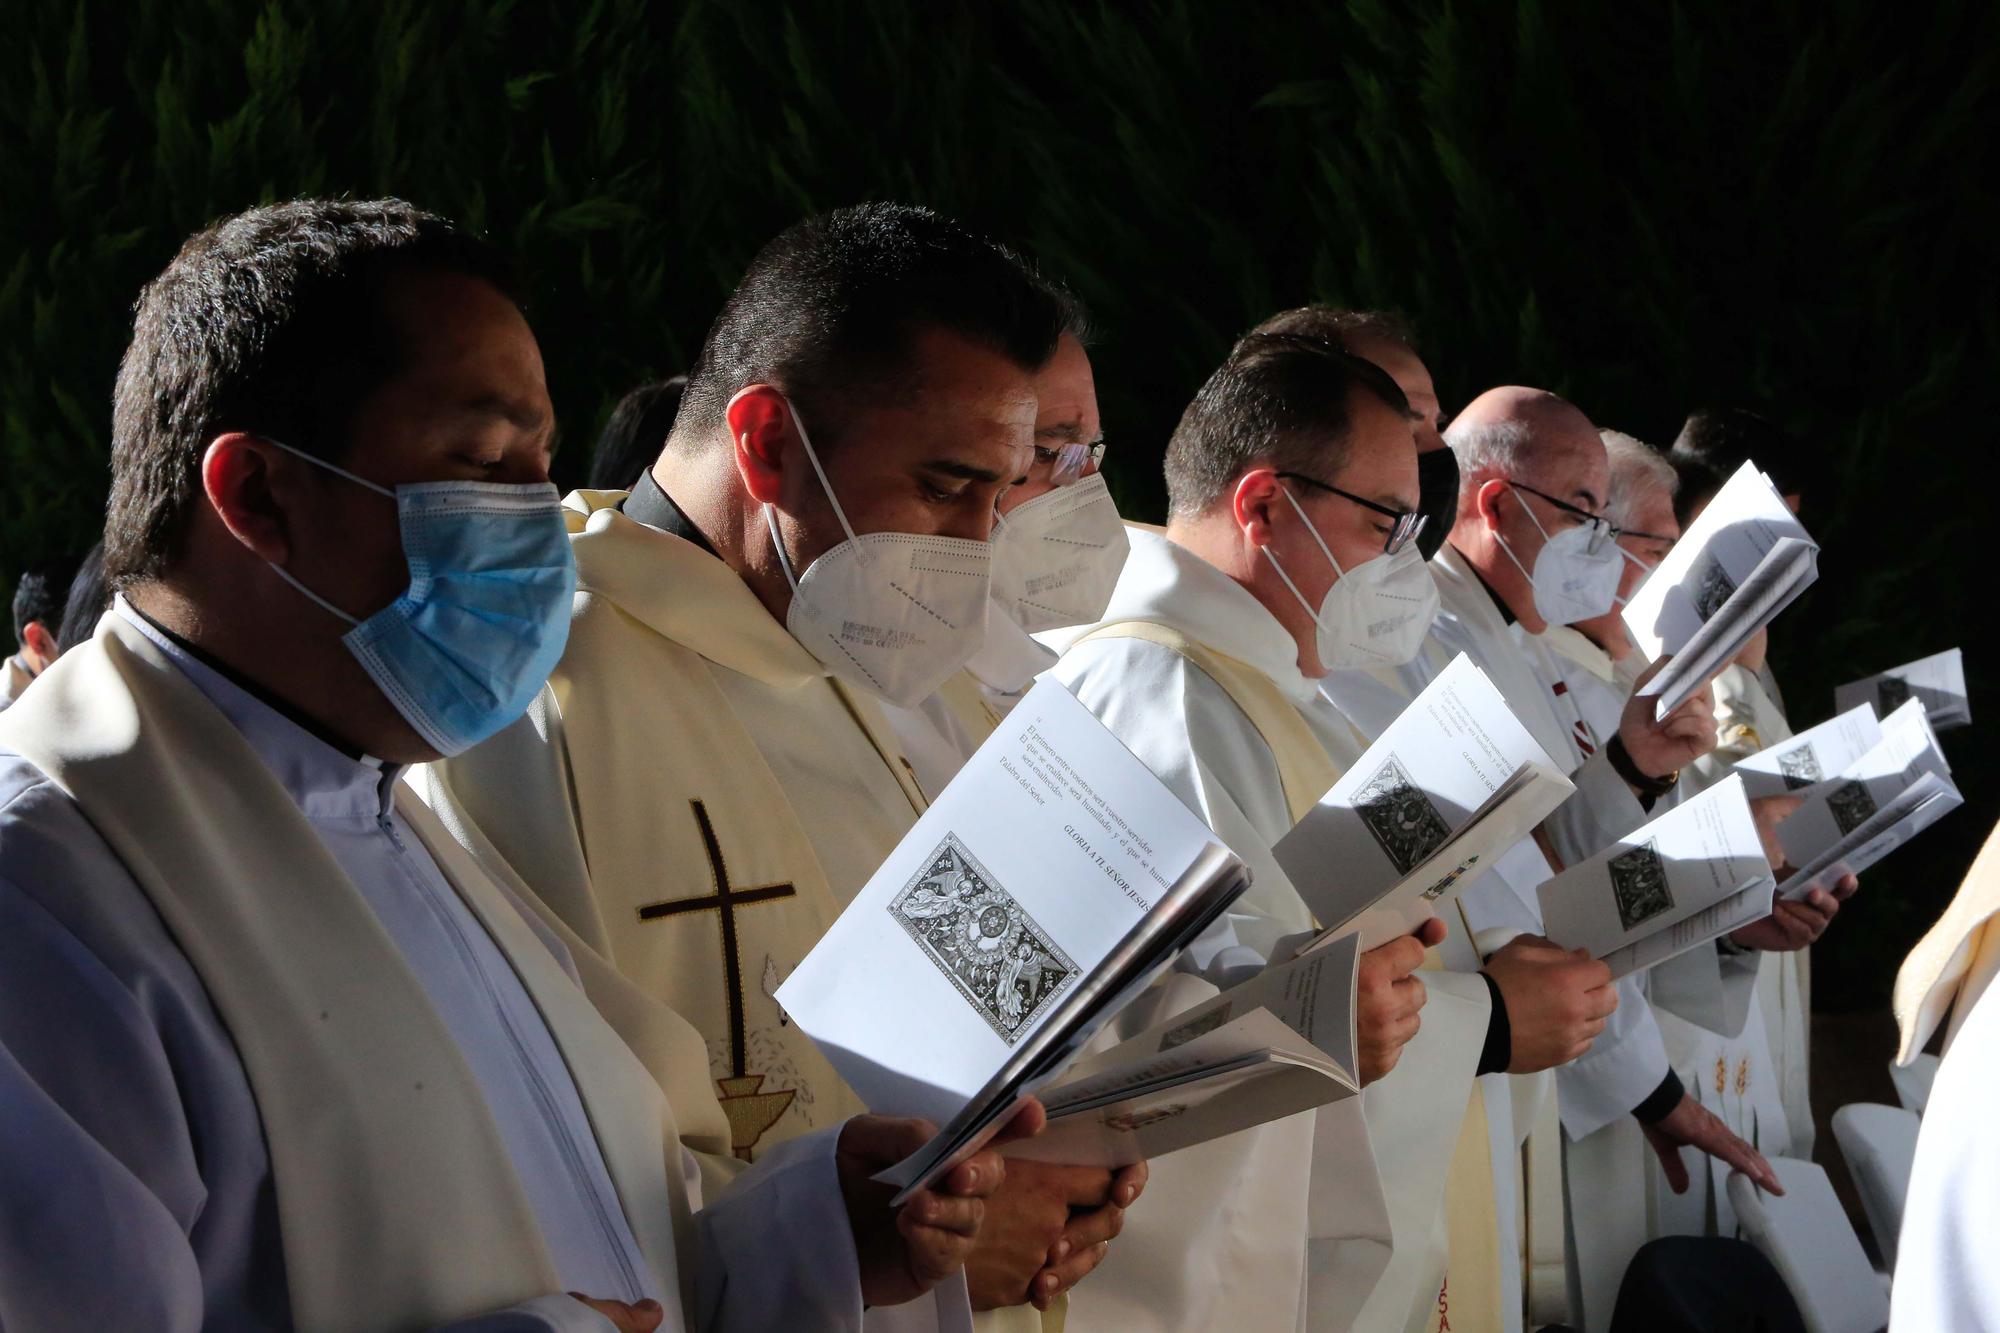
(711, 776)
(275, 1052)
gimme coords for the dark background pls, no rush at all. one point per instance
(1644, 207)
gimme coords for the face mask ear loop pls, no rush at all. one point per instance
(778, 545)
(1299, 596)
(1645, 565)
(337, 471)
(1313, 533)
(309, 594)
(812, 456)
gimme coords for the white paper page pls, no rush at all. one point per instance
(1753, 602)
(1716, 554)
(1749, 905)
(1409, 795)
(1938, 680)
(1227, 1045)
(1679, 865)
(1802, 765)
(1844, 803)
(1909, 812)
(1038, 858)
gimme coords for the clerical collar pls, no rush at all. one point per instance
(281, 707)
(651, 505)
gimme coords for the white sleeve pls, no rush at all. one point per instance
(775, 1249)
(1602, 811)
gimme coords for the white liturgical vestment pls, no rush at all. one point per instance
(276, 1053)
(1373, 1259)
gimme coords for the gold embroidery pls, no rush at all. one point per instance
(750, 1111)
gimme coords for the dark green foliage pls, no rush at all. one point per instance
(1642, 206)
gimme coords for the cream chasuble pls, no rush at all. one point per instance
(398, 1206)
(1251, 757)
(698, 800)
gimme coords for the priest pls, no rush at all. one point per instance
(1293, 489)
(1944, 1275)
(1595, 660)
(38, 608)
(275, 1052)
(710, 777)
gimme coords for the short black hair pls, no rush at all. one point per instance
(1725, 438)
(272, 322)
(1337, 324)
(1696, 483)
(827, 310)
(635, 434)
(1280, 398)
(39, 596)
(89, 595)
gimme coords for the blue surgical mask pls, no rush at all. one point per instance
(465, 648)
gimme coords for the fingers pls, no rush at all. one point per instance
(1431, 933)
(1029, 1120)
(1826, 904)
(1129, 1184)
(1603, 1003)
(929, 1210)
(1671, 1163)
(1397, 959)
(932, 1254)
(977, 1177)
(884, 1139)
(638, 1317)
(1846, 887)
(1076, 1265)
(1087, 1229)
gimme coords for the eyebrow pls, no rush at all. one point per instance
(511, 411)
(1391, 500)
(1590, 502)
(952, 467)
(1069, 431)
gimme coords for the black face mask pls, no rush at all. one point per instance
(1437, 498)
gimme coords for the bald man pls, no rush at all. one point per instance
(1529, 547)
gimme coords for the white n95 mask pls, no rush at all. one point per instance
(1056, 558)
(892, 613)
(1374, 615)
(1571, 581)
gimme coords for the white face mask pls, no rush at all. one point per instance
(1571, 582)
(1375, 615)
(1056, 558)
(892, 613)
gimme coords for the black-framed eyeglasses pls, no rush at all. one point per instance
(1407, 523)
(1601, 530)
(1617, 531)
(1069, 462)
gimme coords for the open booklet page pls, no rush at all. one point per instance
(1938, 680)
(1896, 790)
(1048, 882)
(1679, 881)
(1729, 567)
(1804, 764)
(1279, 1043)
(1452, 783)
(1767, 589)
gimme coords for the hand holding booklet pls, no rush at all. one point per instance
(1938, 680)
(1736, 567)
(1044, 888)
(1869, 807)
(1451, 784)
(1696, 872)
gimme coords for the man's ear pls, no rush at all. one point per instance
(763, 438)
(237, 475)
(1254, 502)
(40, 643)
(1486, 500)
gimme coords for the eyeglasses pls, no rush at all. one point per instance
(1407, 523)
(1068, 463)
(1601, 530)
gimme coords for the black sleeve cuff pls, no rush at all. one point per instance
(1648, 789)
(1498, 1051)
(1661, 1100)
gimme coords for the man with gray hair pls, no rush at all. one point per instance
(1595, 661)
